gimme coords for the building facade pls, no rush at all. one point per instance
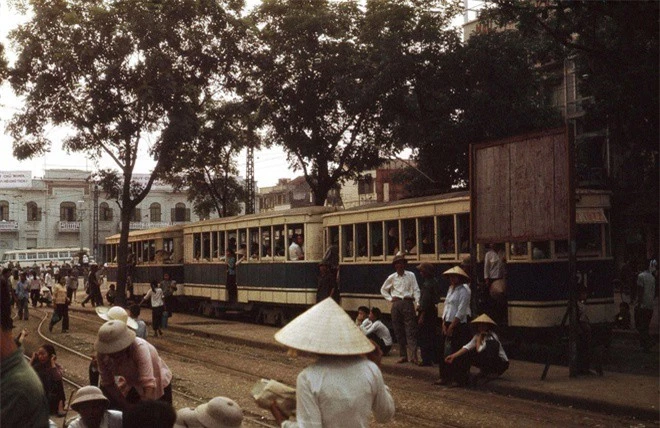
(65, 209)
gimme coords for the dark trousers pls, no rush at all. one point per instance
(157, 317)
(380, 342)
(95, 296)
(232, 289)
(34, 296)
(642, 322)
(404, 322)
(171, 303)
(427, 337)
(459, 370)
(63, 311)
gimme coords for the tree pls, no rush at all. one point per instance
(119, 75)
(322, 86)
(206, 165)
(3, 64)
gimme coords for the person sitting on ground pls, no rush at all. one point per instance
(378, 332)
(45, 296)
(92, 406)
(485, 350)
(341, 388)
(362, 319)
(120, 353)
(44, 362)
(141, 330)
(150, 414)
(111, 294)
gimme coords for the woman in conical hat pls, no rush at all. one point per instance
(342, 387)
(484, 351)
(455, 329)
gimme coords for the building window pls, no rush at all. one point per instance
(4, 211)
(105, 212)
(136, 215)
(33, 212)
(365, 185)
(154, 212)
(180, 213)
(68, 211)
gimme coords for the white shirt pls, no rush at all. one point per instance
(295, 252)
(646, 281)
(493, 266)
(472, 344)
(341, 392)
(380, 330)
(111, 419)
(401, 286)
(156, 297)
(457, 303)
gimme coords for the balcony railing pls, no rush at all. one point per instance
(8, 226)
(143, 225)
(68, 226)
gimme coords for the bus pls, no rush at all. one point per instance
(38, 257)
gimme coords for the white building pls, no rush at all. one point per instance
(58, 210)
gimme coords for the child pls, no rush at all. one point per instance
(141, 331)
(110, 295)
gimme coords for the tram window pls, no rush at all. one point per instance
(376, 239)
(446, 244)
(206, 246)
(214, 245)
(242, 251)
(231, 240)
(561, 249)
(221, 244)
(31, 256)
(426, 234)
(293, 231)
(63, 255)
(168, 250)
(347, 241)
(52, 254)
(392, 237)
(22, 256)
(197, 246)
(278, 240)
(42, 256)
(519, 249)
(463, 230)
(540, 250)
(588, 240)
(361, 239)
(332, 236)
(253, 236)
(409, 227)
(266, 243)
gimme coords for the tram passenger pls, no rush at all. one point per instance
(427, 318)
(342, 387)
(22, 399)
(44, 363)
(155, 294)
(296, 248)
(455, 329)
(402, 290)
(92, 407)
(484, 351)
(378, 332)
(120, 353)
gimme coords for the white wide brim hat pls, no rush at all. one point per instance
(113, 336)
(326, 329)
(456, 271)
(186, 417)
(116, 313)
(484, 319)
(220, 412)
(86, 394)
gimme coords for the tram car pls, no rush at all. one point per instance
(434, 229)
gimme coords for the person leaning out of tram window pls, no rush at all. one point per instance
(121, 353)
(484, 351)
(455, 329)
(44, 362)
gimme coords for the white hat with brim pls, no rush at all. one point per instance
(113, 336)
(456, 271)
(484, 319)
(186, 417)
(326, 329)
(220, 412)
(87, 394)
(116, 313)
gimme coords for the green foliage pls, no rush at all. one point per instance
(3, 64)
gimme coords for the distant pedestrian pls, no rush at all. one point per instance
(93, 287)
(168, 285)
(61, 307)
(35, 287)
(120, 353)
(22, 296)
(402, 290)
(155, 294)
(341, 388)
(71, 285)
(644, 308)
(427, 318)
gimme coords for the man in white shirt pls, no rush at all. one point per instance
(342, 389)
(402, 290)
(644, 308)
(295, 249)
(377, 331)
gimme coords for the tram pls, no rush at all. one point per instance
(434, 229)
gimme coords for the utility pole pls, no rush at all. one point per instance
(95, 223)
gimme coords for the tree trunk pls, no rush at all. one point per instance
(122, 250)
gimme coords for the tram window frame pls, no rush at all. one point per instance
(406, 234)
(374, 242)
(583, 229)
(423, 225)
(266, 242)
(168, 248)
(241, 243)
(545, 250)
(291, 230)
(347, 245)
(279, 239)
(196, 247)
(251, 255)
(515, 253)
(222, 245)
(441, 233)
(232, 234)
(361, 231)
(462, 221)
(151, 250)
(215, 253)
(331, 237)
(391, 252)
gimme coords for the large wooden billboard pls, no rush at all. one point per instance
(520, 188)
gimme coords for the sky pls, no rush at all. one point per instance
(269, 165)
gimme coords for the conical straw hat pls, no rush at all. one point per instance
(485, 319)
(325, 329)
(456, 271)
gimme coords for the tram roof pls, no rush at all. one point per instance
(312, 210)
(133, 233)
(408, 201)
